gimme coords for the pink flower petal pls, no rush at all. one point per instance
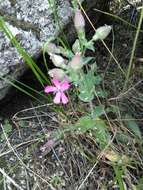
(56, 82)
(57, 98)
(48, 145)
(65, 85)
(50, 89)
(64, 98)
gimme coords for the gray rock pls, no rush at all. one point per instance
(32, 23)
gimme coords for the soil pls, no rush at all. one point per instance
(16, 100)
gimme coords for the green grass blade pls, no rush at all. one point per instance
(48, 97)
(27, 58)
(133, 50)
(19, 88)
(44, 49)
(117, 18)
(119, 173)
(29, 88)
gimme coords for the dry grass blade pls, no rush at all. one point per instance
(10, 179)
(30, 170)
(16, 118)
(18, 146)
(98, 158)
(102, 40)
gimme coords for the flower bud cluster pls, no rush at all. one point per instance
(64, 67)
(59, 73)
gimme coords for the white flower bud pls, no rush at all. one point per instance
(76, 63)
(52, 48)
(79, 21)
(102, 32)
(58, 74)
(57, 60)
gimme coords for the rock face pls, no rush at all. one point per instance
(32, 23)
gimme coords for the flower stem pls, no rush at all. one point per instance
(91, 109)
(133, 51)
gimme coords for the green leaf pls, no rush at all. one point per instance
(90, 45)
(119, 176)
(132, 125)
(96, 126)
(112, 109)
(7, 129)
(86, 60)
(99, 110)
(140, 184)
(76, 46)
(84, 124)
(101, 133)
(86, 96)
(122, 138)
(86, 86)
(101, 93)
(98, 80)
(74, 76)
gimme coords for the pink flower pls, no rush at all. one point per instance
(48, 145)
(58, 88)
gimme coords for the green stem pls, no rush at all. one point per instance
(91, 109)
(133, 51)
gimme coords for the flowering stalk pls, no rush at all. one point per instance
(79, 23)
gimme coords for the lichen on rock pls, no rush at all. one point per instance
(32, 22)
